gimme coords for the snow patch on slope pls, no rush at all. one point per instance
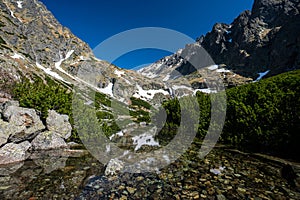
(57, 64)
(176, 87)
(49, 72)
(222, 70)
(12, 13)
(207, 90)
(148, 94)
(17, 56)
(119, 73)
(213, 67)
(107, 90)
(120, 134)
(19, 4)
(167, 77)
(69, 54)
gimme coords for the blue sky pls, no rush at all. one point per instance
(94, 21)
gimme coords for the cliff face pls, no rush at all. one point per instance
(266, 38)
(32, 41)
(30, 29)
(30, 34)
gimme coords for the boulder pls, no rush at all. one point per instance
(6, 170)
(11, 152)
(24, 123)
(3, 132)
(5, 102)
(10, 103)
(48, 140)
(59, 124)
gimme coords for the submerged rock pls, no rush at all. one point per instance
(12, 152)
(114, 167)
(50, 162)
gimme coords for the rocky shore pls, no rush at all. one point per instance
(223, 174)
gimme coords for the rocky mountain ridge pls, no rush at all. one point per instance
(265, 39)
(32, 41)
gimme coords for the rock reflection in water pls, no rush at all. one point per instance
(56, 174)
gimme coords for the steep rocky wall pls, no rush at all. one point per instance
(266, 38)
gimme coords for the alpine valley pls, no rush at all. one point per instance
(60, 106)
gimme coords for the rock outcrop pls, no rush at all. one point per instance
(266, 38)
(22, 132)
(24, 123)
(113, 167)
(4, 132)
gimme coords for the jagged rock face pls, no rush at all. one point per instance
(32, 41)
(183, 62)
(190, 69)
(34, 32)
(268, 37)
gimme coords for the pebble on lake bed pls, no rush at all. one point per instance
(113, 167)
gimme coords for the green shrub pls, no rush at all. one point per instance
(140, 103)
(265, 116)
(261, 117)
(101, 99)
(43, 96)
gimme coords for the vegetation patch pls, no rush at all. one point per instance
(261, 117)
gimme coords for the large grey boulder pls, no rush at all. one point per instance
(4, 135)
(12, 152)
(59, 124)
(48, 140)
(24, 123)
